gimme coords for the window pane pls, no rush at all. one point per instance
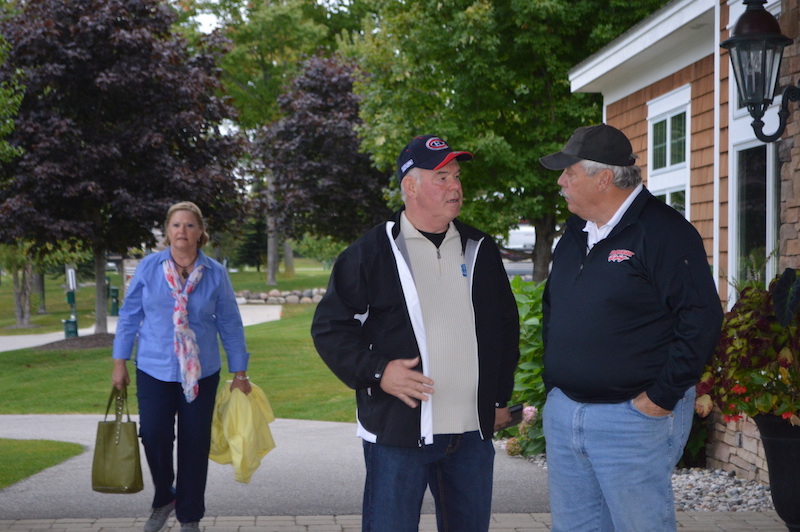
(677, 200)
(660, 145)
(678, 139)
(751, 212)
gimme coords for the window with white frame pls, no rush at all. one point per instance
(668, 147)
(755, 202)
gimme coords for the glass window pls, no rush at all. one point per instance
(668, 157)
(675, 199)
(677, 139)
(669, 141)
(660, 145)
(751, 214)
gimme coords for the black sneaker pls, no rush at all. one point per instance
(158, 519)
(189, 527)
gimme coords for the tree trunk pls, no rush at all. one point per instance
(38, 287)
(100, 294)
(288, 259)
(272, 240)
(546, 234)
(23, 284)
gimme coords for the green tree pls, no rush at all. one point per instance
(252, 250)
(268, 41)
(11, 93)
(490, 76)
(119, 119)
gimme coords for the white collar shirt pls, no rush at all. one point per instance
(596, 234)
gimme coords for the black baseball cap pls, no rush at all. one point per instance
(428, 152)
(601, 143)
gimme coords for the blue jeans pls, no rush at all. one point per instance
(159, 403)
(457, 467)
(610, 466)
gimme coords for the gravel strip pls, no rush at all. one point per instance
(712, 490)
(718, 491)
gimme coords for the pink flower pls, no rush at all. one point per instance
(529, 413)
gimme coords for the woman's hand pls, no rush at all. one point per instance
(241, 382)
(119, 376)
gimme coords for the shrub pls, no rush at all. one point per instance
(528, 437)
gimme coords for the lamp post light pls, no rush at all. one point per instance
(756, 49)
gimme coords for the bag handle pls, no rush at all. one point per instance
(120, 400)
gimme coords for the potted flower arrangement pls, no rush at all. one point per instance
(755, 372)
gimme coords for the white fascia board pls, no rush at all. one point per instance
(679, 34)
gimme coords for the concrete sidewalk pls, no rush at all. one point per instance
(311, 481)
(251, 315)
(314, 475)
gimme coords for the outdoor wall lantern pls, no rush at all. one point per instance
(756, 49)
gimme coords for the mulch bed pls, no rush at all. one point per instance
(80, 342)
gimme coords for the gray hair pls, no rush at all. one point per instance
(414, 174)
(625, 177)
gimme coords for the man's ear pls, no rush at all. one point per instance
(409, 185)
(605, 178)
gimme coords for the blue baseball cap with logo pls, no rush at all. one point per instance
(428, 152)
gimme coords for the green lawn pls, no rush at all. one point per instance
(20, 459)
(283, 363)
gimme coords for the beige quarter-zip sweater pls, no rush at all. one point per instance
(443, 288)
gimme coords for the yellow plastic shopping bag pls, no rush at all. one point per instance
(240, 432)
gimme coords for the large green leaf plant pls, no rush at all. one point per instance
(527, 439)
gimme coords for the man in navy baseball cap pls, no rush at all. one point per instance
(417, 305)
(428, 152)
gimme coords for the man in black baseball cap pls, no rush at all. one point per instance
(428, 152)
(419, 304)
(632, 315)
(601, 143)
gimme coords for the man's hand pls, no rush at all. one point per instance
(643, 403)
(501, 417)
(408, 385)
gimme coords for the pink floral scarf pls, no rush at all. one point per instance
(185, 341)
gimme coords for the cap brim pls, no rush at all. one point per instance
(458, 155)
(558, 160)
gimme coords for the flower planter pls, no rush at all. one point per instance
(782, 449)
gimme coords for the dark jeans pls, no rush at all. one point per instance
(159, 403)
(457, 467)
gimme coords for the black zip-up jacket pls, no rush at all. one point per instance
(369, 315)
(639, 313)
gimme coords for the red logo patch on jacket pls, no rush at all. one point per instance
(619, 255)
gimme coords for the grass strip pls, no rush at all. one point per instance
(20, 459)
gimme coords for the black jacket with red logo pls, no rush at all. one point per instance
(639, 312)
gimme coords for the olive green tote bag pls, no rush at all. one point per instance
(116, 467)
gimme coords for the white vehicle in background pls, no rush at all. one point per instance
(519, 244)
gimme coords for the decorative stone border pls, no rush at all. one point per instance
(278, 297)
